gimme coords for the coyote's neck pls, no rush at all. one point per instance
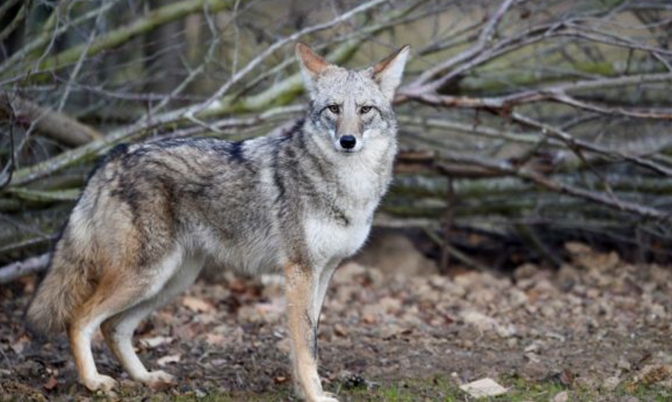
(359, 178)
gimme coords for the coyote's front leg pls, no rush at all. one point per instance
(303, 304)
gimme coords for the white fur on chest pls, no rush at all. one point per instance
(327, 239)
(362, 182)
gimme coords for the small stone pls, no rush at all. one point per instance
(561, 397)
(483, 388)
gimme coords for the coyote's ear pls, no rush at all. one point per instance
(388, 72)
(311, 65)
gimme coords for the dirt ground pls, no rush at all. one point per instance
(598, 323)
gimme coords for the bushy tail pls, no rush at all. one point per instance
(63, 290)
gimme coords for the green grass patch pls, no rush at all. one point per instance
(432, 389)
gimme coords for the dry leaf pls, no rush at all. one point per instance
(21, 343)
(215, 339)
(51, 383)
(155, 341)
(169, 359)
(340, 330)
(197, 305)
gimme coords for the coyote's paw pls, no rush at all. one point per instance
(100, 383)
(159, 380)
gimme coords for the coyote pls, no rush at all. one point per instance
(297, 202)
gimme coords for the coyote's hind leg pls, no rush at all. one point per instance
(105, 302)
(118, 330)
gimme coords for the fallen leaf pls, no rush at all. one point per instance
(155, 341)
(653, 374)
(280, 380)
(197, 305)
(51, 383)
(340, 330)
(215, 339)
(21, 343)
(483, 388)
(165, 360)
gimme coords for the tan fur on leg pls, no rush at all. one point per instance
(302, 292)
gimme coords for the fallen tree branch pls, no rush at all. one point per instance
(555, 93)
(49, 122)
(20, 268)
(545, 182)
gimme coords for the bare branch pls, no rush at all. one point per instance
(483, 40)
(51, 123)
(21, 268)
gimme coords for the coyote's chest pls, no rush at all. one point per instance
(342, 229)
(329, 238)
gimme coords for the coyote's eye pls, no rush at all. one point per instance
(365, 109)
(335, 109)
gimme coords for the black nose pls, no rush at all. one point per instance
(348, 141)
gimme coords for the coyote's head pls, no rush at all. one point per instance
(351, 108)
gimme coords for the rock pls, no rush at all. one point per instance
(479, 320)
(576, 248)
(601, 262)
(393, 253)
(483, 388)
(348, 272)
(389, 305)
(483, 323)
(567, 277)
(561, 397)
(517, 297)
(525, 271)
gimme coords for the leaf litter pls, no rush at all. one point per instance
(597, 322)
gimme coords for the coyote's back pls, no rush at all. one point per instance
(296, 203)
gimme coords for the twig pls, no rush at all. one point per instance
(48, 36)
(13, 24)
(158, 17)
(483, 39)
(80, 62)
